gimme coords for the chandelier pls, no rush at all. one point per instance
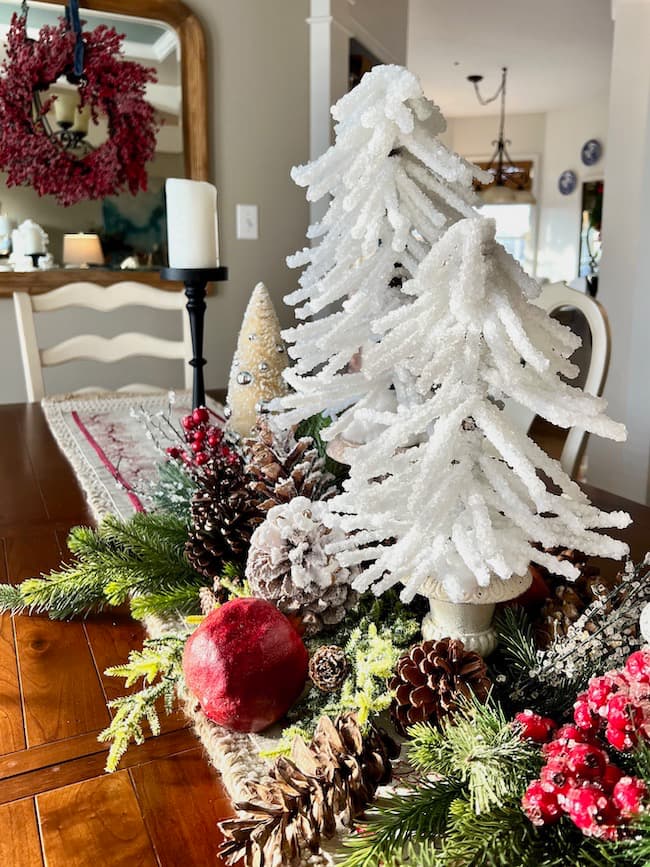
(71, 121)
(512, 183)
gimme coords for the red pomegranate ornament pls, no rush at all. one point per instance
(246, 665)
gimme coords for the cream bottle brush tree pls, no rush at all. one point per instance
(446, 490)
(394, 190)
(258, 363)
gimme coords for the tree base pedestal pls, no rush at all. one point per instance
(470, 620)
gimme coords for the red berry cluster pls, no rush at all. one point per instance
(578, 780)
(205, 441)
(617, 705)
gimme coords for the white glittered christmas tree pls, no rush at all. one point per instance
(445, 492)
(258, 363)
(395, 188)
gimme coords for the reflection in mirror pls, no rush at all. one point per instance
(131, 228)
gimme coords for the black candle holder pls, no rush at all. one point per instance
(35, 257)
(195, 281)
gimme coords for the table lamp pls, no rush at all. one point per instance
(82, 250)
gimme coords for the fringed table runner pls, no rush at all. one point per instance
(115, 442)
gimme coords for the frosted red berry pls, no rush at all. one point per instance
(638, 666)
(201, 415)
(598, 692)
(586, 762)
(610, 777)
(535, 727)
(623, 714)
(583, 716)
(619, 739)
(592, 811)
(628, 795)
(540, 804)
(556, 774)
(188, 422)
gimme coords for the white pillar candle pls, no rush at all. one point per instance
(64, 108)
(192, 230)
(81, 119)
(32, 240)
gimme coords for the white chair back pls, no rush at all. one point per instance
(554, 297)
(92, 346)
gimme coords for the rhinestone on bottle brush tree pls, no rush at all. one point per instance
(256, 372)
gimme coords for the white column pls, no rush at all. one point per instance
(320, 95)
(625, 269)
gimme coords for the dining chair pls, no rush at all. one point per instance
(585, 316)
(92, 346)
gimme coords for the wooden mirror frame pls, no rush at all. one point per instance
(194, 79)
(194, 82)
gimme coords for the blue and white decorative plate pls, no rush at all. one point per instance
(567, 182)
(591, 152)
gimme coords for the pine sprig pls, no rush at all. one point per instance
(173, 489)
(148, 553)
(403, 822)
(183, 599)
(65, 593)
(529, 676)
(160, 666)
(479, 748)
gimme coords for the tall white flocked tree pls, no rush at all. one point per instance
(444, 488)
(395, 188)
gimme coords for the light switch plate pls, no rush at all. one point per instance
(247, 222)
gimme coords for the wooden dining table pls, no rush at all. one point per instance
(57, 805)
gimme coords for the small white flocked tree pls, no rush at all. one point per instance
(445, 489)
(395, 188)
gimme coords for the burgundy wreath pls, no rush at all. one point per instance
(111, 86)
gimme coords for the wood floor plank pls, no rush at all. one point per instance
(20, 844)
(20, 497)
(44, 779)
(111, 637)
(94, 822)
(45, 755)
(182, 799)
(12, 730)
(61, 693)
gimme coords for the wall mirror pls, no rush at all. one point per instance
(162, 35)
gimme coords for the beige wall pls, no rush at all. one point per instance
(259, 73)
(259, 127)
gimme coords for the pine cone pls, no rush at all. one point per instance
(328, 668)
(430, 679)
(331, 780)
(288, 564)
(568, 600)
(283, 468)
(223, 516)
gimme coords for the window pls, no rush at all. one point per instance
(514, 231)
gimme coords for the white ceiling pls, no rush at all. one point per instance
(558, 52)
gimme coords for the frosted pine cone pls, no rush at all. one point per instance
(288, 563)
